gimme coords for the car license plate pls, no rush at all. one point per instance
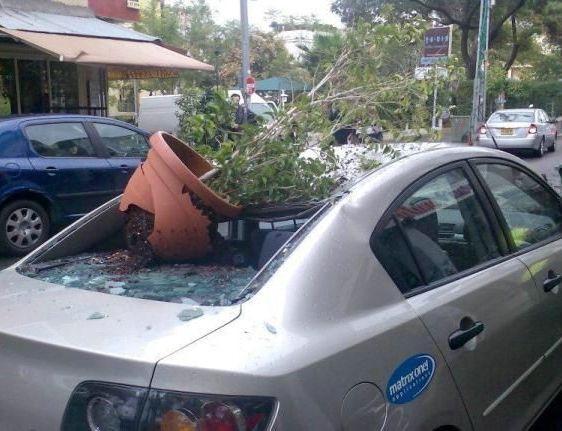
(506, 132)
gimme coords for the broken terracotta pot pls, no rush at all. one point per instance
(168, 186)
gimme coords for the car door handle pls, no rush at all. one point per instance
(124, 168)
(462, 336)
(51, 170)
(552, 280)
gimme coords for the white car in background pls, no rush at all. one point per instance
(160, 113)
(519, 129)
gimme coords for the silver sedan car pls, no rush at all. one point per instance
(424, 297)
(519, 129)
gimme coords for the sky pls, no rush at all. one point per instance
(227, 10)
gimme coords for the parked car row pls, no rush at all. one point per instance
(425, 297)
(54, 169)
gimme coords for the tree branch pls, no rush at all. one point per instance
(445, 12)
(498, 26)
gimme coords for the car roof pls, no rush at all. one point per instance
(410, 167)
(17, 120)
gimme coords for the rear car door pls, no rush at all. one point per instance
(531, 216)
(550, 128)
(543, 125)
(478, 303)
(126, 148)
(70, 167)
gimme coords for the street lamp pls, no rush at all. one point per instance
(245, 53)
(478, 114)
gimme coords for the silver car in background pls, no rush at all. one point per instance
(519, 130)
(424, 297)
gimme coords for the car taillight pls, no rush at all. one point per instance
(532, 129)
(97, 406)
(483, 130)
(175, 411)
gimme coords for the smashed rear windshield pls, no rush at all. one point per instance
(206, 283)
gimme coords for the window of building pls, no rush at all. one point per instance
(8, 96)
(60, 140)
(531, 211)
(34, 86)
(64, 87)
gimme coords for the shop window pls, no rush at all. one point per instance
(34, 87)
(64, 87)
(8, 97)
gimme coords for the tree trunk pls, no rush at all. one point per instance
(468, 60)
(515, 45)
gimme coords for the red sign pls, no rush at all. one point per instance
(121, 10)
(250, 85)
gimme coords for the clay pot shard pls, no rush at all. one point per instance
(168, 186)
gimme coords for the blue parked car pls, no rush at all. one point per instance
(56, 168)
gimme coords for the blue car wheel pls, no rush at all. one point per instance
(24, 226)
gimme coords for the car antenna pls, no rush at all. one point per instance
(494, 140)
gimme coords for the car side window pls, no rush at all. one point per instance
(60, 140)
(445, 228)
(392, 250)
(122, 142)
(531, 211)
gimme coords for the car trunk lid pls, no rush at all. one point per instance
(509, 129)
(53, 337)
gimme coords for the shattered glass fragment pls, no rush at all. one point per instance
(116, 273)
(190, 313)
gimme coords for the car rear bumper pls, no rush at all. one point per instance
(527, 143)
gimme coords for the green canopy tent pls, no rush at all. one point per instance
(279, 83)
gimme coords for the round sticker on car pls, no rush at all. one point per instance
(410, 379)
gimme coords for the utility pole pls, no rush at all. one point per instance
(478, 115)
(245, 53)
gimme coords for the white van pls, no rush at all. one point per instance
(160, 113)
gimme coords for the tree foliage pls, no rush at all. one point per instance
(291, 158)
(513, 22)
(190, 25)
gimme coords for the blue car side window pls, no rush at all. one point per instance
(60, 140)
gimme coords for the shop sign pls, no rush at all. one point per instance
(121, 74)
(133, 4)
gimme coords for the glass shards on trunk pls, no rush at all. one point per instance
(117, 273)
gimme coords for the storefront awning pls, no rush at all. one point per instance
(109, 52)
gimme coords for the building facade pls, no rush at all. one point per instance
(114, 10)
(57, 57)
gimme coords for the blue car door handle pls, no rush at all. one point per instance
(462, 336)
(51, 170)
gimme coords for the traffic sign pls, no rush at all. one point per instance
(250, 85)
